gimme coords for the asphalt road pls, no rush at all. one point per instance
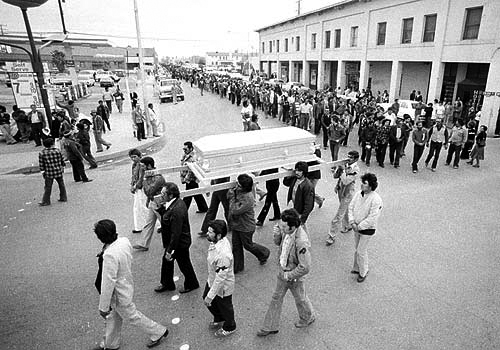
(433, 264)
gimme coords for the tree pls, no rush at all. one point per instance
(59, 60)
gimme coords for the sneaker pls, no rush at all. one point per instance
(330, 240)
(475, 166)
(433, 170)
(302, 324)
(223, 333)
(215, 325)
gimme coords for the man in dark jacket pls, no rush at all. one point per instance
(22, 123)
(396, 140)
(176, 237)
(83, 138)
(103, 111)
(75, 157)
(242, 221)
(300, 191)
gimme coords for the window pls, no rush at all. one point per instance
(337, 37)
(270, 46)
(277, 46)
(286, 45)
(407, 31)
(354, 36)
(263, 47)
(297, 43)
(381, 29)
(328, 35)
(472, 22)
(429, 28)
(313, 41)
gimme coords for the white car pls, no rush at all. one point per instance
(165, 87)
(86, 77)
(405, 107)
(101, 74)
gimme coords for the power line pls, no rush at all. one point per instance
(143, 37)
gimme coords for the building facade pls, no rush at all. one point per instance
(443, 48)
(82, 53)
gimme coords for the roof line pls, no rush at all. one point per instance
(325, 8)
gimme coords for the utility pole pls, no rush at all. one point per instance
(141, 68)
(298, 7)
(62, 17)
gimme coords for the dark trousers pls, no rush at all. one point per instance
(454, 150)
(200, 201)
(87, 154)
(434, 151)
(78, 170)
(466, 150)
(317, 124)
(417, 154)
(395, 152)
(344, 141)
(271, 198)
(141, 134)
(36, 133)
(217, 198)
(381, 150)
(244, 240)
(106, 122)
(48, 189)
(184, 263)
(366, 153)
(222, 309)
(325, 135)
(334, 150)
(110, 106)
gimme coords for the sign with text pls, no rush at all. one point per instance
(23, 84)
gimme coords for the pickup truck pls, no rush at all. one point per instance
(165, 87)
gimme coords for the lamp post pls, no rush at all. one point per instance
(35, 57)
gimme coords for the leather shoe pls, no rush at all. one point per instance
(140, 248)
(88, 180)
(136, 231)
(301, 324)
(361, 279)
(187, 290)
(62, 200)
(154, 343)
(263, 333)
(161, 288)
(42, 204)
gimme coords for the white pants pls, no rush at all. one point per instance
(130, 313)
(361, 253)
(139, 210)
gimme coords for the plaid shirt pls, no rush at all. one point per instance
(187, 176)
(51, 162)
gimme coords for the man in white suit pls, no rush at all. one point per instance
(115, 284)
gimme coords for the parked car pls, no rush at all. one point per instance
(165, 87)
(292, 85)
(405, 107)
(61, 79)
(101, 74)
(106, 81)
(87, 77)
(119, 73)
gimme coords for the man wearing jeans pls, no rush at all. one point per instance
(294, 263)
(336, 133)
(51, 165)
(364, 211)
(458, 138)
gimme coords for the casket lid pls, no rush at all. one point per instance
(258, 139)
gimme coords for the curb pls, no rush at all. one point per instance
(145, 148)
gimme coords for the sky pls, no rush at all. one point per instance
(175, 28)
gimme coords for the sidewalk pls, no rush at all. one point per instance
(23, 158)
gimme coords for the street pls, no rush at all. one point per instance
(432, 285)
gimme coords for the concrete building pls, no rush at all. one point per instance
(83, 53)
(444, 48)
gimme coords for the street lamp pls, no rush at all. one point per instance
(35, 57)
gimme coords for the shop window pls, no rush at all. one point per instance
(472, 23)
(407, 30)
(429, 28)
(381, 29)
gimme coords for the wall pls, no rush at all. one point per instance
(415, 76)
(380, 73)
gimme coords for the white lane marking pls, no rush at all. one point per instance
(176, 320)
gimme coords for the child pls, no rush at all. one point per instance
(477, 152)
